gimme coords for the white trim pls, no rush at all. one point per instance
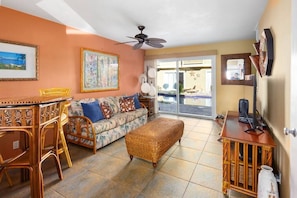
(293, 103)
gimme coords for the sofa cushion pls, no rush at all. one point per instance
(105, 125)
(127, 104)
(92, 110)
(76, 108)
(132, 115)
(120, 118)
(113, 102)
(136, 100)
(106, 110)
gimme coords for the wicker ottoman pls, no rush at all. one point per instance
(153, 139)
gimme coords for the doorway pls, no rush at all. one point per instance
(186, 86)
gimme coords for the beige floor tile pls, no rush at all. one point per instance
(215, 132)
(110, 167)
(17, 190)
(197, 136)
(202, 129)
(198, 191)
(134, 175)
(188, 127)
(190, 121)
(114, 190)
(206, 123)
(211, 160)
(86, 185)
(163, 185)
(178, 168)
(187, 154)
(208, 177)
(113, 147)
(215, 148)
(52, 194)
(214, 138)
(194, 144)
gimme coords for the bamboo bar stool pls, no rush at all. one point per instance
(4, 171)
(49, 115)
(63, 117)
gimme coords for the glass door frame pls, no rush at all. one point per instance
(213, 85)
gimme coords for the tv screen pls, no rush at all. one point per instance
(252, 119)
(255, 114)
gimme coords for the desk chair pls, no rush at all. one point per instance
(63, 117)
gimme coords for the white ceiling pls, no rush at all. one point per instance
(179, 22)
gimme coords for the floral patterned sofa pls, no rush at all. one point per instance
(117, 116)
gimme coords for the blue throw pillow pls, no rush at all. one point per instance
(136, 101)
(93, 111)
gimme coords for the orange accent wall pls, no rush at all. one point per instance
(59, 56)
(59, 60)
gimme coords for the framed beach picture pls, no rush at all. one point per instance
(99, 71)
(18, 61)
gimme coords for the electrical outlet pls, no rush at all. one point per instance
(15, 144)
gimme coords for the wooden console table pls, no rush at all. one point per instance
(149, 102)
(30, 113)
(243, 155)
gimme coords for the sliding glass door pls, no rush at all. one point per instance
(185, 86)
(167, 83)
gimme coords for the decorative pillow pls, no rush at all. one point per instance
(127, 104)
(92, 110)
(136, 100)
(106, 110)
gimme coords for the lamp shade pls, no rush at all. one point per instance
(151, 73)
(145, 88)
(152, 90)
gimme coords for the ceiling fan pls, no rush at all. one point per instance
(143, 38)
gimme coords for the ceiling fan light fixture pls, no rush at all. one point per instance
(143, 38)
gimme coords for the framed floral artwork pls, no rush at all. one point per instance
(99, 71)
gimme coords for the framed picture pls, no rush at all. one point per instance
(18, 61)
(99, 71)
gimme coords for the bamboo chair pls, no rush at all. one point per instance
(63, 117)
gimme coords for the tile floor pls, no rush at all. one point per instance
(191, 169)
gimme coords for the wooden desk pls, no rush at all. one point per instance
(30, 113)
(243, 155)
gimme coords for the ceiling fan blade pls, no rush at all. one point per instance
(156, 40)
(139, 39)
(137, 45)
(125, 42)
(156, 45)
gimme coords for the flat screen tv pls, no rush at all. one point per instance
(254, 123)
(253, 118)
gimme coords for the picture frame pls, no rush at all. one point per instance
(18, 61)
(99, 71)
